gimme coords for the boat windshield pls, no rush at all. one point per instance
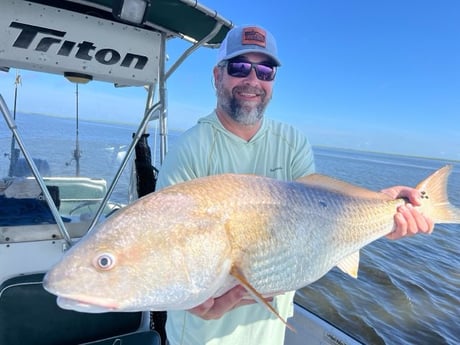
(77, 138)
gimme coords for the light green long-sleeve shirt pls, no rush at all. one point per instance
(278, 151)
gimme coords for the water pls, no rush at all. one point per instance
(102, 146)
(407, 291)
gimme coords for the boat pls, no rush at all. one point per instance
(43, 215)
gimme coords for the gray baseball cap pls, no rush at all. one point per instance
(248, 39)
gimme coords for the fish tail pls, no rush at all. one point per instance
(435, 201)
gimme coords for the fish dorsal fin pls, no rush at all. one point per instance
(238, 275)
(350, 264)
(334, 185)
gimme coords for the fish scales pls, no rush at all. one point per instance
(291, 241)
(175, 248)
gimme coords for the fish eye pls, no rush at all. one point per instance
(104, 261)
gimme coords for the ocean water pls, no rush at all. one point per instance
(102, 147)
(408, 291)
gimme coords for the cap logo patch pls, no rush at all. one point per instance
(253, 35)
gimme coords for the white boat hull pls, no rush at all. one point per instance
(312, 330)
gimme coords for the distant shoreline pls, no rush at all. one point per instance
(176, 132)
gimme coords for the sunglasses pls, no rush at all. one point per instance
(241, 69)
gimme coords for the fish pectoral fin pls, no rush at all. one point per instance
(350, 264)
(239, 276)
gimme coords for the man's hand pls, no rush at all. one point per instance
(214, 308)
(408, 220)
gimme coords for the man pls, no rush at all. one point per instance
(236, 138)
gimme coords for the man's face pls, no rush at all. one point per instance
(244, 99)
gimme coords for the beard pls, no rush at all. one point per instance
(246, 113)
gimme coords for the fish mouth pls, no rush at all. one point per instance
(79, 302)
(87, 304)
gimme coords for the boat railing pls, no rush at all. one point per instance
(46, 194)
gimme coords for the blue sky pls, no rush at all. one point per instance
(380, 76)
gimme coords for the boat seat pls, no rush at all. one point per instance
(30, 315)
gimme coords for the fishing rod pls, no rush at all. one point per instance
(14, 152)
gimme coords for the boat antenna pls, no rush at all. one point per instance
(14, 152)
(77, 152)
(77, 78)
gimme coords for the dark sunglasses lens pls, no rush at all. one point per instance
(239, 69)
(265, 73)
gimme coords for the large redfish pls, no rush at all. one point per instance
(176, 248)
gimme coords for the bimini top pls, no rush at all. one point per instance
(101, 39)
(184, 18)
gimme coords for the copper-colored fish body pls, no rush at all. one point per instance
(176, 248)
